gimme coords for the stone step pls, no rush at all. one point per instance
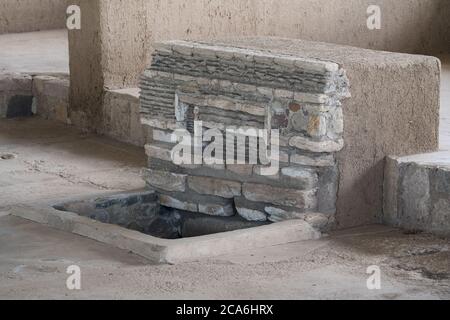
(417, 192)
(23, 95)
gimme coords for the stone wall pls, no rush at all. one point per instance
(393, 109)
(410, 26)
(32, 15)
(225, 87)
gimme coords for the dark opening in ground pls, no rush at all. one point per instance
(140, 211)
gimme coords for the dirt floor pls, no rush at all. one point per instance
(35, 52)
(50, 162)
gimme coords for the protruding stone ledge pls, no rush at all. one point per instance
(190, 48)
(327, 146)
(280, 196)
(251, 214)
(317, 161)
(165, 180)
(233, 63)
(159, 123)
(217, 210)
(171, 202)
(223, 103)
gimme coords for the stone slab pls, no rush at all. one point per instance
(170, 251)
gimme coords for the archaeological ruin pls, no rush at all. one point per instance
(228, 149)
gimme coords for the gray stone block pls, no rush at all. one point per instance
(313, 161)
(165, 180)
(417, 192)
(159, 151)
(326, 146)
(172, 202)
(305, 178)
(415, 201)
(280, 196)
(251, 214)
(217, 210)
(215, 187)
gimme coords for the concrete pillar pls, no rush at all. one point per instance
(107, 53)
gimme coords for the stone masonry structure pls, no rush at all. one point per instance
(334, 139)
(246, 88)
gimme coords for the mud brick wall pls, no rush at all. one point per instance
(229, 86)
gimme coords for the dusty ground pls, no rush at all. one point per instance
(445, 104)
(51, 162)
(35, 52)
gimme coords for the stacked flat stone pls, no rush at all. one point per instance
(229, 86)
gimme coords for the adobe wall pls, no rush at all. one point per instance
(31, 15)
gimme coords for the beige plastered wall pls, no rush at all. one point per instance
(128, 28)
(31, 15)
